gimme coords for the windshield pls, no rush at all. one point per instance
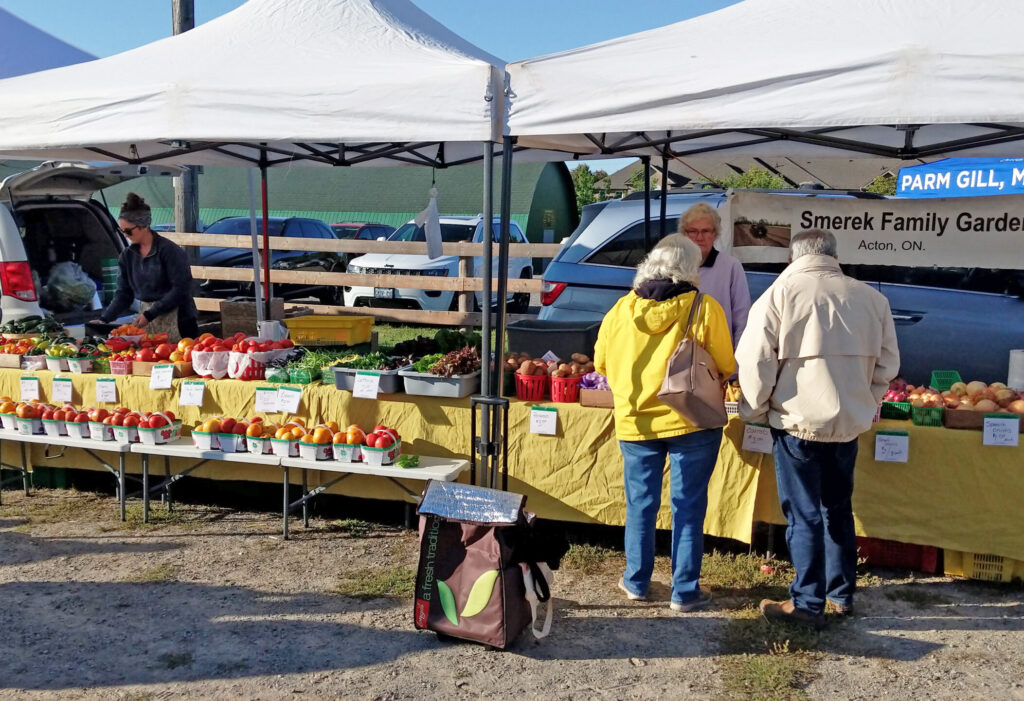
(345, 232)
(450, 233)
(240, 226)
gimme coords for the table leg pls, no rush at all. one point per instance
(1, 473)
(121, 486)
(285, 511)
(24, 470)
(145, 487)
(305, 502)
(167, 476)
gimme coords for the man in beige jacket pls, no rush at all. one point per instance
(818, 353)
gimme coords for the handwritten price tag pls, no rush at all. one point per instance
(757, 438)
(29, 388)
(191, 393)
(62, 389)
(1001, 429)
(106, 390)
(366, 385)
(160, 377)
(544, 420)
(550, 357)
(266, 399)
(288, 399)
(892, 446)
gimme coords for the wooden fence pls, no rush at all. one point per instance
(463, 285)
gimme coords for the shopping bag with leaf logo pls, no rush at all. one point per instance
(475, 561)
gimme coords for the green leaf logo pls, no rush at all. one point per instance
(447, 602)
(483, 587)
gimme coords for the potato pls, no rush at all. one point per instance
(526, 368)
(559, 373)
(580, 358)
(587, 368)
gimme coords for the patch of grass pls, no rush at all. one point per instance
(393, 582)
(23, 528)
(588, 559)
(160, 518)
(59, 508)
(352, 527)
(747, 632)
(158, 573)
(770, 677)
(917, 596)
(175, 660)
(748, 578)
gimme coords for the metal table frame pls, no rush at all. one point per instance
(444, 469)
(87, 445)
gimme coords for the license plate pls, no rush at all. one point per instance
(383, 293)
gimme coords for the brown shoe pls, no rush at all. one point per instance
(841, 611)
(786, 612)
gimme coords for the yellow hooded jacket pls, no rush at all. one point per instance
(636, 340)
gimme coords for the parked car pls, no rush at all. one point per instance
(200, 227)
(964, 319)
(362, 231)
(48, 217)
(290, 227)
(453, 230)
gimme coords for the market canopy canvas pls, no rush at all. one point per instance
(898, 79)
(332, 82)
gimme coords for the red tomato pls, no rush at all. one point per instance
(170, 414)
(163, 351)
(146, 355)
(156, 421)
(117, 420)
(132, 420)
(371, 440)
(385, 440)
(286, 343)
(220, 348)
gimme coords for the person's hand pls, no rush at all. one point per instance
(141, 321)
(95, 322)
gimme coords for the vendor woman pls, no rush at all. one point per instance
(157, 273)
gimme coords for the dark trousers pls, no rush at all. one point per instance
(815, 483)
(188, 328)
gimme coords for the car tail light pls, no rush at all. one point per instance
(16, 281)
(549, 291)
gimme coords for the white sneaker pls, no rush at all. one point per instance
(701, 602)
(630, 595)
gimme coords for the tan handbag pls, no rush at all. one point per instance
(692, 385)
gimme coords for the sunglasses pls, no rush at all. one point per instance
(130, 230)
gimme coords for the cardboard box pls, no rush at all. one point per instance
(970, 420)
(10, 360)
(146, 369)
(241, 316)
(597, 398)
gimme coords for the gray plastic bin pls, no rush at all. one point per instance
(424, 383)
(563, 338)
(390, 382)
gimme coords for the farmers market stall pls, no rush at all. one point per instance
(953, 492)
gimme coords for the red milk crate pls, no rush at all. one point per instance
(892, 553)
(531, 388)
(565, 389)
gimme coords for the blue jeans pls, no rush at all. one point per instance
(692, 458)
(815, 483)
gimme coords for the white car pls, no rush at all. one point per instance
(453, 230)
(48, 217)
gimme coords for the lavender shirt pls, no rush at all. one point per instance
(724, 280)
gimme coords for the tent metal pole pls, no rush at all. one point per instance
(266, 235)
(257, 289)
(483, 447)
(647, 202)
(508, 146)
(664, 196)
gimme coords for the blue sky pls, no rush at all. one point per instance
(512, 30)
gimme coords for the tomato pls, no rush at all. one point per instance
(286, 343)
(117, 419)
(156, 421)
(186, 355)
(132, 420)
(170, 415)
(385, 440)
(147, 355)
(220, 348)
(371, 439)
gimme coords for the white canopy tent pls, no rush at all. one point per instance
(332, 82)
(891, 78)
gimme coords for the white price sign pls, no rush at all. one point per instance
(1001, 429)
(892, 446)
(366, 385)
(106, 390)
(191, 393)
(757, 438)
(550, 357)
(29, 388)
(160, 376)
(266, 399)
(288, 399)
(62, 390)
(544, 420)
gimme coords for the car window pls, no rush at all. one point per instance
(346, 232)
(626, 249)
(450, 233)
(372, 233)
(239, 226)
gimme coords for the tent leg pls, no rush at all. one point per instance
(257, 296)
(647, 202)
(483, 445)
(664, 197)
(499, 338)
(267, 287)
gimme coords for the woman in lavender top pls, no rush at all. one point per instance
(721, 275)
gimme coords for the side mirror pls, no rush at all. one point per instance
(382, 238)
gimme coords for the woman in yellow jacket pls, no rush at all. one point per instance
(636, 340)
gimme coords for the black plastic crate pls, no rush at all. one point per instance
(563, 338)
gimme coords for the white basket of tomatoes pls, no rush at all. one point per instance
(348, 444)
(157, 428)
(383, 446)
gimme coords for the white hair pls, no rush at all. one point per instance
(701, 210)
(675, 258)
(812, 242)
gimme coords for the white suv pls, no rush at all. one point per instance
(453, 230)
(48, 217)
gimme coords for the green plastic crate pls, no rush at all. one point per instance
(900, 411)
(926, 416)
(303, 376)
(944, 379)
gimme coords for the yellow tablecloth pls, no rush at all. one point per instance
(954, 493)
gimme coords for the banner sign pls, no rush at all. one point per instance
(962, 177)
(981, 232)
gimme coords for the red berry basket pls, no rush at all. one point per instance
(565, 389)
(531, 388)
(120, 367)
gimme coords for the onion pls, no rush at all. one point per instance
(986, 405)
(975, 386)
(1016, 406)
(958, 388)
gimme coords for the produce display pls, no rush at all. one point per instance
(32, 325)
(372, 361)
(464, 361)
(524, 364)
(595, 380)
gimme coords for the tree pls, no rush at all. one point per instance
(636, 180)
(753, 178)
(583, 182)
(884, 184)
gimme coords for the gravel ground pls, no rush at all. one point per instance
(211, 603)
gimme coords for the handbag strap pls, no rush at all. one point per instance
(693, 309)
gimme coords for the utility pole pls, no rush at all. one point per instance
(186, 186)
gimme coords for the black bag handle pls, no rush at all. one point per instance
(540, 583)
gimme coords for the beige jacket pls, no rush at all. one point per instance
(818, 353)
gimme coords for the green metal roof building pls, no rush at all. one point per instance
(542, 194)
